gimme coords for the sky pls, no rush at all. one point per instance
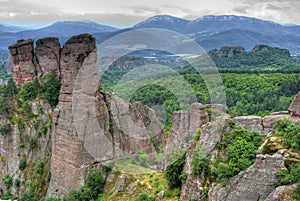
(125, 13)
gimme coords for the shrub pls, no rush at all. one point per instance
(51, 87)
(95, 182)
(173, 172)
(240, 149)
(6, 195)
(17, 182)
(199, 161)
(27, 196)
(290, 176)
(7, 180)
(6, 128)
(22, 164)
(197, 135)
(231, 123)
(144, 197)
(90, 191)
(143, 158)
(32, 143)
(39, 168)
(29, 90)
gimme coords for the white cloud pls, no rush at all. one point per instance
(125, 13)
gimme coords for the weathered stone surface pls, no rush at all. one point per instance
(120, 183)
(252, 184)
(69, 155)
(281, 193)
(47, 52)
(228, 51)
(192, 188)
(197, 117)
(268, 121)
(211, 133)
(29, 142)
(294, 108)
(22, 55)
(251, 123)
(130, 131)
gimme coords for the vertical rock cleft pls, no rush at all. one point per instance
(47, 54)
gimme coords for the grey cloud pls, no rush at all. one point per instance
(241, 9)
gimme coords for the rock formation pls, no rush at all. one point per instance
(69, 156)
(22, 55)
(294, 108)
(228, 51)
(47, 55)
(255, 183)
(88, 127)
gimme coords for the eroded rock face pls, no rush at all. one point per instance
(251, 123)
(197, 117)
(252, 184)
(133, 126)
(281, 193)
(47, 53)
(231, 51)
(69, 156)
(294, 108)
(28, 142)
(22, 55)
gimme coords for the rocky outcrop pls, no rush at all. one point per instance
(28, 64)
(69, 155)
(294, 108)
(228, 51)
(281, 193)
(184, 127)
(47, 55)
(133, 127)
(252, 184)
(27, 142)
(22, 55)
(198, 116)
(251, 123)
(268, 121)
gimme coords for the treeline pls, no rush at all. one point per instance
(246, 94)
(264, 58)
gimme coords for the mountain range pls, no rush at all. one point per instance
(211, 32)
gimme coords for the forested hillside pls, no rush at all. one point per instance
(258, 82)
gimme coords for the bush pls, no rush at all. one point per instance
(173, 172)
(51, 88)
(27, 196)
(290, 176)
(240, 149)
(17, 182)
(7, 180)
(143, 158)
(95, 182)
(5, 129)
(39, 168)
(290, 132)
(29, 90)
(144, 197)
(200, 160)
(22, 164)
(197, 135)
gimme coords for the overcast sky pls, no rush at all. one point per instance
(124, 13)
